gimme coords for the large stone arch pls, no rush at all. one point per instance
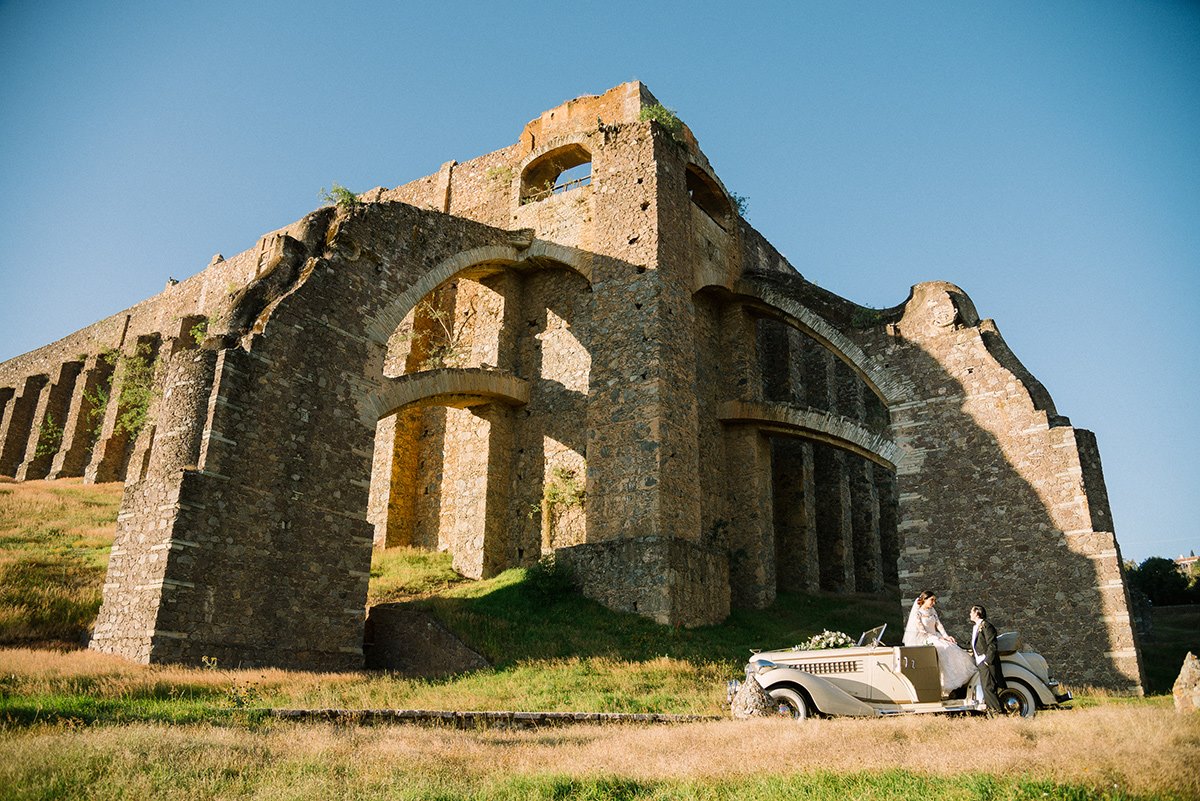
(245, 537)
(805, 429)
(420, 414)
(527, 254)
(891, 387)
(814, 424)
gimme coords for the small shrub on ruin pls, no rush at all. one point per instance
(549, 580)
(741, 203)
(501, 174)
(865, 317)
(137, 390)
(663, 116)
(50, 436)
(564, 490)
(199, 332)
(340, 196)
(442, 341)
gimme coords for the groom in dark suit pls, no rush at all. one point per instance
(987, 657)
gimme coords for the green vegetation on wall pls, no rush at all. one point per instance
(199, 332)
(137, 389)
(339, 196)
(663, 116)
(50, 436)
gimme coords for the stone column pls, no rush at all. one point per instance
(139, 588)
(834, 521)
(752, 566)
(379, 498)
(397, 446)
(835, 532)
(889, 518)
(144, 443)
(112, 443)
(797, 562)
(817, 381)
(475, 481)
(46, 436)
(864, 499)
(6, 396)
(740, 339)
(499, 480)
(80, 423)
(795, 366)
(18, 422)
(774, 359)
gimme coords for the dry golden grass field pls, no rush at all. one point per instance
(76, 724)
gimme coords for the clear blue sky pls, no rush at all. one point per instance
(1043, 156)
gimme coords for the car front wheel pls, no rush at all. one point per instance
(789, 703)
(1017, 700)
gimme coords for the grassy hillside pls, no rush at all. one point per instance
(55, 537)
(54, 542)
(523, 615)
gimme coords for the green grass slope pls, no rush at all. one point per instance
(54, 544)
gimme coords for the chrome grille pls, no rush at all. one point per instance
(838, 666)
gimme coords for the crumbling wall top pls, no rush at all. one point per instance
(621, 104)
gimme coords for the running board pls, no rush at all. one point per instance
(923, 709)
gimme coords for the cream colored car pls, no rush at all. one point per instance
(872, 679)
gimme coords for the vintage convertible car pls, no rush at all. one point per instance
(872, 679)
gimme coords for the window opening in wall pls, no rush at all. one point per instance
(556, 172)
(708, 196)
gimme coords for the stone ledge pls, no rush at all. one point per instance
(840, 432)
(461, 387)
(480, 720)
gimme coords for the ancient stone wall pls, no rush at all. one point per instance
(570, 346)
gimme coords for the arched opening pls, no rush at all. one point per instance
(465, 464)
(708, 196)
(834, 509)
(560, 170)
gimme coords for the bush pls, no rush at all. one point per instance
(340, 196)
(1162, 581)
(742, 204)
(549, 580)
(664, 117)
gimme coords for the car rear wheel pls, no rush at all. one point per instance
(789, 703)
(1017, 700)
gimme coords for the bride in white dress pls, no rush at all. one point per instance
(925, 628)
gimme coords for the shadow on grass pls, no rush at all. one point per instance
(512, 619)
(1176, 632)
(19, 711)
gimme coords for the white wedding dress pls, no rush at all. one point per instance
(925, 628)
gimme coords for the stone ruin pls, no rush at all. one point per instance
(574, 345)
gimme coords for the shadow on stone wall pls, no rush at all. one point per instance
(977, 530)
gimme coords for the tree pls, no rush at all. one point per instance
(1162, 581)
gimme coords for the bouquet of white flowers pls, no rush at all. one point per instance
(826, 639)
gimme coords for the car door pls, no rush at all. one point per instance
(919, 664)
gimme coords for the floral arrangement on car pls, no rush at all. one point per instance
(826, 639)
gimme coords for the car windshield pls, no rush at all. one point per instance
(872, 637)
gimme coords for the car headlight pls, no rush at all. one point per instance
(760, 666)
